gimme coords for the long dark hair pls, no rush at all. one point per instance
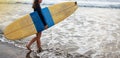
(35, 3)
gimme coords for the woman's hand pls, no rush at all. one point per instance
(40, 1)
(46, 27)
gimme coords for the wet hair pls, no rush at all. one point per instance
(35, 3)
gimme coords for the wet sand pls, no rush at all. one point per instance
(10, 51)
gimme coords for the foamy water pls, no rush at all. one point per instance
(89, 32)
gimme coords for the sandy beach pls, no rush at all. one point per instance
(88, 33)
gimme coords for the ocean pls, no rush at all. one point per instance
(91, 32)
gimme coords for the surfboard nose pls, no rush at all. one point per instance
(75, 3)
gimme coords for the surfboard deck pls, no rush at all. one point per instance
(31, 23)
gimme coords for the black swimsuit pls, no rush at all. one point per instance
(38, 9)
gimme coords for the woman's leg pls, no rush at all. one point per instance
(38, 39)
(30, 43)
(39, 42)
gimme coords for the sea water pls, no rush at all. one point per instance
(89, 32)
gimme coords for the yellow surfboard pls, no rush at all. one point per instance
(31, 23)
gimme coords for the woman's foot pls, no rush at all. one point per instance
(28, 47)
(39, 50)
(28, 54)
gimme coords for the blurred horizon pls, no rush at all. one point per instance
(81, 3)
(44, 1)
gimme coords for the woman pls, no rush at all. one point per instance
(36, 7)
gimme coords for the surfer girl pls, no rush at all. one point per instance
(36, 7)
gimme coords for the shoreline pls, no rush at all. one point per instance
(11, 51)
